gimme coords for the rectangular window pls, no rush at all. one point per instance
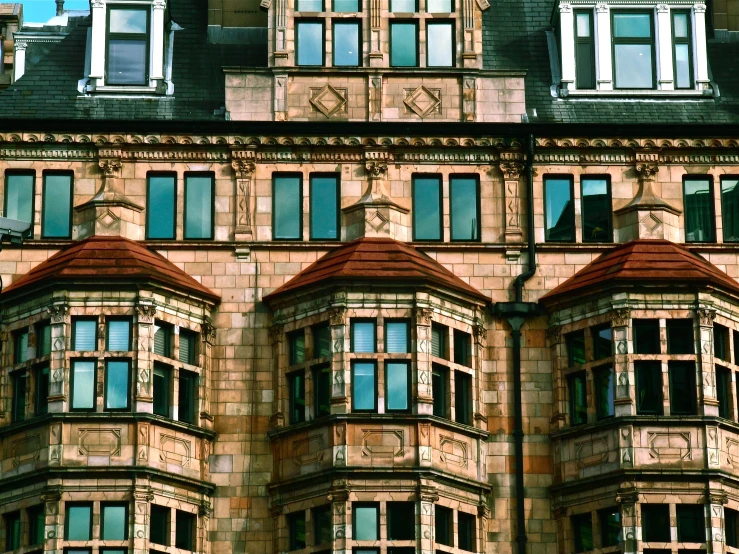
(602, 336)
(310, 5)
(84, 335)
(322, 390)
(439, 339)
(19, 396)
(462, 348)
(296, 347)
(187, 400)
(441, 36)
(161, 389)
(610, 527)
(325, 199)
(401, 521)
(723, 386)
(655, 522)
(444, 525)
(296, 385)
(21, 345)
(321, 340)
(347, 6)
(575, 343)
(114, 522)
(427, 207)
(403, 6)
(159, 522)
(56, 219)
(184, 530)
(296, 530)
(397, 337)
(363, 337)
(322, 525)
(19, 192)
(161, 205)
(597, 211)
(730, 208)
(287, 205)
(41, 401)
(466, 531)
(578, 398)
(731, 518)
(648, 388)
(43, 339)
(559, 209)
(691, 523)
(605, 380)
(347, 45)
(163, 339)
(118, 336)
(633, 49)
(582, 531)
(698, 208)
(36, 524)
(188, 347)
(199, 206)
(439, 385)
(681, 50)
(464, 202)
(364, 386)
(12, 530)
(128, 46)
(397, 385)
(646, 336)
(403, 42)
(462, 398)
(682, 388)
(680, 338)
(721, 342)
(439, 6)
(79, 522)
(366, 522)
(83, 385)
(117, 383)
(309, 43)
(584, 50)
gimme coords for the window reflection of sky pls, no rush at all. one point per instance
(127, 21)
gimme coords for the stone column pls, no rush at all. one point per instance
(480, 335)
(716, 500)
(19, 62)
(631, 537)
(603, 49)
(157, 40)
(559, 391)
(567, 42)
(276, 337)
(97, 52)
(428, 495)
(244, 170)
(340, 372)
(701, 56)
(338, 495)
(54, 524)
(59, 326)
(424, 393)
(623, 372)
(207, 341)
(511, 170)
(665, 76)
(144, 340)
(706, 376)
(142, 497)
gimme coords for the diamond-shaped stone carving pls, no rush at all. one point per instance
(328, 100)
(108, 218)
(422, 101)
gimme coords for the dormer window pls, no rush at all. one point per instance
(633, 45)
(127, 46)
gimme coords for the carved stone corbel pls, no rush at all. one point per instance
(146, 313)
(244, 171)
(423, 316)
(208, 331)
(275, 334)
(337, 316)
(480, 332)
(376, 169)
(58, 312)
(554, 334)
(705, 316)
(620, 317)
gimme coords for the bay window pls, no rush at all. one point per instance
(83, 385)
(127, 46)
(364, 386)
(681, 49)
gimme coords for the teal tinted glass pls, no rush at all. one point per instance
(365, 523)
(730, 209)
(403, 6)
(287, 207)
(127, 21)
(346, 6)
(596, 210)
(440, 36)
(85, 335)
(680, 25)
(403, 44)
(610, 527)
(57, 206)
(198, 207)
(324, 202)
(396, 337)
(439, 6)
(310, 43)
(116, 385)
(83, 385)
(632, 25)
(559, 210)
(19, 197)
(397, 385)
(114, 523)
(346, 44)
(160, 208)
(464, 208)
(310, 5)
(363, 336)
(698, 209)
(79, 519)
(363, 394)
(427, 208)
(119, 335)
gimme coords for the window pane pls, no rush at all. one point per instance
(427, 208)
(161, 390)
(322, 525)
(443, 522)
(648, 388)
(287, 206)
(732, 527)
(365, 523)
(560, 212)
(655, 522)
(462, 398)
(43, 339)
(363, 385)
(730, 209)
(57, 206)
(632, 25)
(602, 342)
(296, 528)
(680, 25)
(397, 385)
(346, 6)
(346, 53)
(596, 211)
(159, 525)
(321, 341)
(462, 348)
(162, 335)
(682, 388)
(439, 334)
(646, 336)
(296, 344)
(19, 198)
(439, 380)
(363, 336)
(127, 21)
(691, 523)
(160, 208)
(296, 384)
(12, 530)
(578, 399)
(440, 35)
(585, 77)
(83, 385)
(633, 65)
(324, 208)
(610, 527)
(582, 21)
(682, 66)
(21, 346)
(322, 391)
(396, 337)
(19, 396)
(403, 44)
(464, 208)
(79, 519)
(119, 335)
(42, 390)
(401, 521)
(723, 386)
(403, 6)
(36, 523)
(575, 348)
(439, 6)
(126, 62)
(698, 210)
(582, 531)
(188, 348)
(116, 385)
(115, 523)
(310, 5)
(198, 207)
(85, 335)
(310, 43)
(184, 530)
(466, 530)
(186, 398)
(604, 392)
(680, 338)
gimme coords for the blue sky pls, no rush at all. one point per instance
(40, 11)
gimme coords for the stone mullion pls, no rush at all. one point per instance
(279, 528)
(60, 329)
(339, 498)
(340, 370)
(205, 512)
(715, 507)
(375, 53)
(511, 170)
(276, 339)
(208, 339)
(424, 395)
(428, 497)
(629, 522)
(54, 522)
(559, 392)
(622, 370)
(144, 369)
(142, 497)
(480, 337)
(706, 376)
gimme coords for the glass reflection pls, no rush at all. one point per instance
(116, 385)
(633, 65)
(78, 523)
(83, 387)
(160, 209)
(198, 207)
(287, 207)
(364, 386)
(464, 208)
(57, 204)
(126, 62)
(114, 523)
(403, 47)
(346, 44)
(127, 21)
(559, 210)
(440, 36)
(310, 43)
(397, 386)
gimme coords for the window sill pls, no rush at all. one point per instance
(126, 89)
(630, 93)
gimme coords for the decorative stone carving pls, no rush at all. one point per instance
(146, 313)
(208, 331)
(428, 493)
(99, 442)
(275, 334)
(647, 170)
(58, 312)
(329, 100)
(383, 443)
(337, 316)
(308, 451)
(423, 316)
(109, 167)
(423, 101)
(706, 316)
(620, 317)
(554, 334)
(469, 95)
(376, 169)
(480, 332)
(511, 169)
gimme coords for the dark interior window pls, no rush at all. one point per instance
(646, 336)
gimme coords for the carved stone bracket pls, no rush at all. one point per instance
(205, 509)
(428, 493)
(511, 169)
(627, 497)
(717, 497)
(110, 167)
(337, 316)
(208, 331)
(275, 334)
(146, 313)
(276, 510)
(58, 312)
(647, 170)
(706, 316)
(620, 317)
(554, 334)
(423, 316)
(144, 494)
(480, 332)
(338, 493)
(376, 169)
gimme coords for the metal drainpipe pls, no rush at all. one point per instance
(516, 313)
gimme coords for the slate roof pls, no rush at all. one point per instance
(643, 262)
(379, 261)
(99, 260)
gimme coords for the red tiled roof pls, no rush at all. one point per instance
(376, 260)
(648, 262)
(102, 260)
